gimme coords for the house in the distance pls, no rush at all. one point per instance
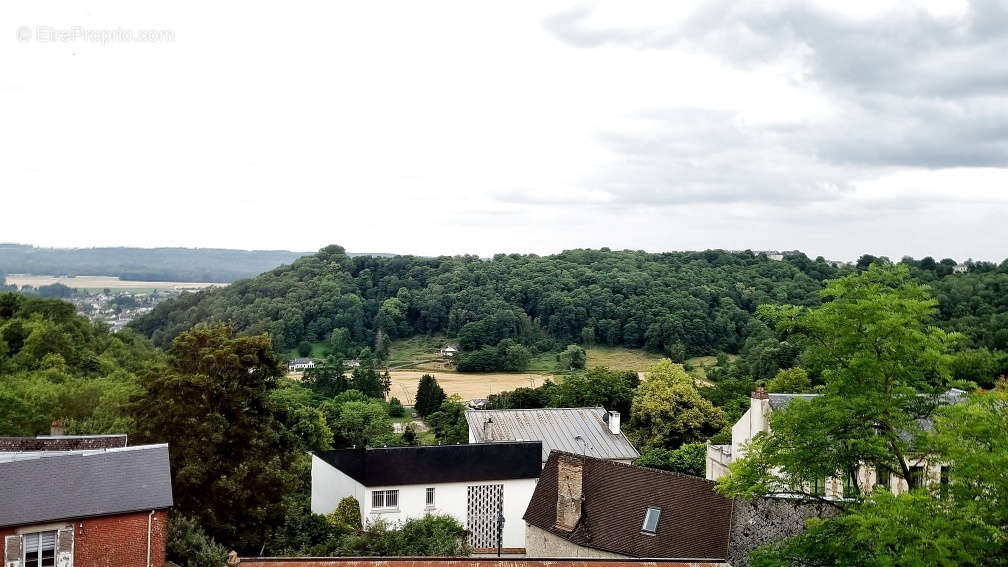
(591, 431)
(300, 364)
(588, 507)
(84, 507)
(476, 484)
(757, 420)
(448, 351)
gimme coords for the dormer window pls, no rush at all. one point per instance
(651, 520)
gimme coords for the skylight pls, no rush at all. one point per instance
(651, 520)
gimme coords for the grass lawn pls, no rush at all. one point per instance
(620, 358)
(416, 348)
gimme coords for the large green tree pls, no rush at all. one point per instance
(232, 458)
(668, 410)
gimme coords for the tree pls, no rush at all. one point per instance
(189, 546)
(690, 459)
(232, 458)
(396, 408)
(347, 515)
(429, 395)
(449, 423)
(668, 411)
(884, 367)
(598, 387)
(304, 348)
(572, 358)
(361, 422)
(790, 381)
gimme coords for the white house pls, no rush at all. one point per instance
(300, 364)
(476, 484)
(594, 432)
(757, 419)
(448, 351)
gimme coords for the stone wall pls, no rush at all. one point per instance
(541, 543)
(760, 521)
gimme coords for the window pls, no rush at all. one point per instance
(916, 477)
(882, 477)
(651, 520)
(430, 497)
(946, 478)
(819, 487)
(40, 549)
(385, 499)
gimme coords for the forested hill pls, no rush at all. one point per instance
(680, 303)
(150, 264)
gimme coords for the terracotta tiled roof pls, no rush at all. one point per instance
(694, 522)
(62, 443)
(461, 562)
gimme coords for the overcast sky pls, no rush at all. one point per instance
(471, 127)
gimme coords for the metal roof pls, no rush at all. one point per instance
(557, 428)
(44, 486)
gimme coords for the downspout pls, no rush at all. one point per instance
(150, 517)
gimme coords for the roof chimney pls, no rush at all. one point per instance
(568, 510)
(760, 394)
(488, 429)
(614, 422)
(57, 428)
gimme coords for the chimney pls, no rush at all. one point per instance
(488, 429)
(760, 394)
(569, 472)
(56, 428)
(614, 422)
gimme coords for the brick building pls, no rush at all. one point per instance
(84, 508)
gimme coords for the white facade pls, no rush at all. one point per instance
(757, 419)
(330, 485)
(300, 364)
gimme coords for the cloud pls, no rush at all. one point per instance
(904, 87)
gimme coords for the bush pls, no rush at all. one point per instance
(189, 546)
(690, 459)
(432, 535)
(395, 408)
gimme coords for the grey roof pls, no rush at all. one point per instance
(301, 361)
(62, 442)
(43, 486)
(556, 428)
(781, 401)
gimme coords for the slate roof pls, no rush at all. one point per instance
(62, 442)
(695, 521)
(431, 464)
(557, 428)
(782, 401)
(42, 486)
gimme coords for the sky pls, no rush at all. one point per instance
(476, 127)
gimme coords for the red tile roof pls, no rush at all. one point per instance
(694, 522)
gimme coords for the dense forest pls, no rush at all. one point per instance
(150, 264)
(680, 304)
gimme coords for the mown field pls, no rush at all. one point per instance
(101, 282)
(467, 386)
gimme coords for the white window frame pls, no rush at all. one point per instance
(38, 559)
(429, 497)
(657, 517)
(380, 500)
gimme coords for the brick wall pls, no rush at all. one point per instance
(115, 541)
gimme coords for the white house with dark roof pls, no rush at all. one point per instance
(300, 364)
(594, 432)
(757, 420)
(475, 484)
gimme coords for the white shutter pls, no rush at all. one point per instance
(64, 548)
(12, 551)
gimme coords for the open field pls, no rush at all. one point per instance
(101, 282)
(619, 358)
(468, 386)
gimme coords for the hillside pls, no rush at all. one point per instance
(152, 264)
(679, 304)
